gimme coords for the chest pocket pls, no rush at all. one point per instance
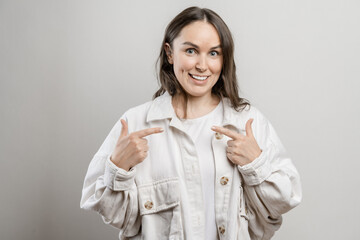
(159, 204)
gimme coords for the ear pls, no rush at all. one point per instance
(169, 53)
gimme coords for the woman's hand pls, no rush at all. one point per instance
(241, 149)
(131, 149)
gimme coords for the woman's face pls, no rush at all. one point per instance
(197, 58)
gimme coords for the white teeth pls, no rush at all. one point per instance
(199, 78)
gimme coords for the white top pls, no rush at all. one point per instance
(199, 129)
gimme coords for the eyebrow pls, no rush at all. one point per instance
(196, 46)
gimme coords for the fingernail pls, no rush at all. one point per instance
(213, 128)
(161, 129)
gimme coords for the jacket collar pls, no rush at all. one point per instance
(161, 108)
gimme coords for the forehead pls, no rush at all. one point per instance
(199, 33)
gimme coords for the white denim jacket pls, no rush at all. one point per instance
(161, 198)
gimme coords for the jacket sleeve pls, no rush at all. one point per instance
(271, 182)
(111, 191)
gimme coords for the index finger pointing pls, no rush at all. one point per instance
(227, 132)
(148, 131)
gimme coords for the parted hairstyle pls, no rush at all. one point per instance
(227, 85)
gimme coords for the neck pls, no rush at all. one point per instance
(195, 106)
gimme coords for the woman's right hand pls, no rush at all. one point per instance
(131, 149)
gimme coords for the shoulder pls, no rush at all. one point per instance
(262, 128)
(241, 116)
(253, 112)
(139, 110)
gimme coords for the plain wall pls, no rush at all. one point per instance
(69, 69)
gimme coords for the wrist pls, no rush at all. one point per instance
(120, 164)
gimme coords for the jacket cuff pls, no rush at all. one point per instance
(118, 179)
(257, 171)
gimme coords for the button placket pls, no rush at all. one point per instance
(224, 180)
(218, 136)
(222, 230)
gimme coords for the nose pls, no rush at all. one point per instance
(201, 65)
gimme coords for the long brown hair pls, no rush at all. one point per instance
(227, 85)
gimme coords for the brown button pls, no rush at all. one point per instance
(218, 135)
(224, 180)
(222, 229)
(148, 205)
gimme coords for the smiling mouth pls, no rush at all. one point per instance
(199, 78)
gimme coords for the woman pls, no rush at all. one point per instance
(197, 162)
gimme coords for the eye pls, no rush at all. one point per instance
(190, 51)
(214, 53)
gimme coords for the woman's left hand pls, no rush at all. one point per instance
(241, 149)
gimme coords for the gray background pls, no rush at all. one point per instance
(69, 69)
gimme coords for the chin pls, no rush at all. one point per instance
(197, 93)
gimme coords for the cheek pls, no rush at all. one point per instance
(183, 63)
(216, 66)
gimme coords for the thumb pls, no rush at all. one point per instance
(124, 129)
(248, 128)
